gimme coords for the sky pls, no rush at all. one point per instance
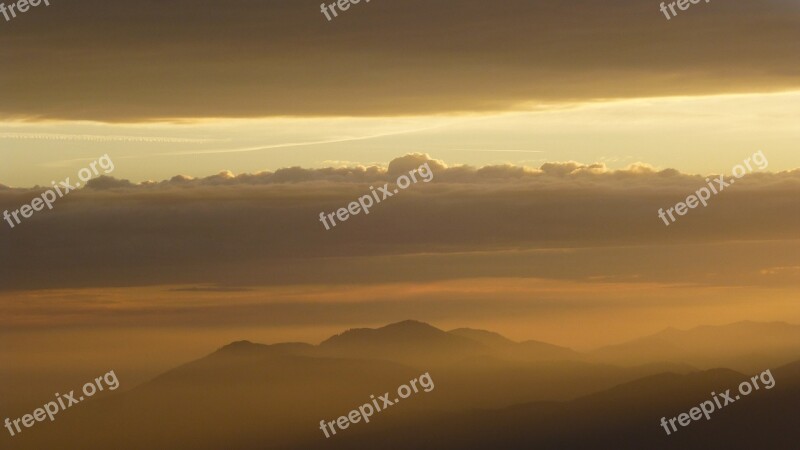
(257, 86)
(702, 134)
(555, 132)
(251, 249)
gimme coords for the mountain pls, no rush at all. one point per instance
(409, 342)
(487, 338)
(255, 396)
(242, 394)
(422, 345)
(624, 417)
(522, 351)
(461, 359)
(535, 350)
(743, 346)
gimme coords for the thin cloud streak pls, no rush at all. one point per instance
(490, 151)
(286, 145)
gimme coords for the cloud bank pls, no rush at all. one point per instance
(143, 61)
(561, 220)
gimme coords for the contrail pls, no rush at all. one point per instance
(284, 145)
(486, 150)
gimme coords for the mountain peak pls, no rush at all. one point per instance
(239, 346)
(484, 337)
(404, 329)
(409, 342)
(410, 324)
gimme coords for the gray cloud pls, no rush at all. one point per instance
(115, 60)
(264, 228)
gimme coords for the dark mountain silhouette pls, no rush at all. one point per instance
(422, 345)
(487, 338)
(409, 342)
(255, 396)
(525, 351)
(743, 346)
(625, 417)
(465, 358)
(242, 394)
(545, 351)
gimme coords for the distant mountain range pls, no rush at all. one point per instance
(744, 346)
(489, 390)
(420, 344)
(626, 417)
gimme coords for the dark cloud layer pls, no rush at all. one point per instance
(115, 60)
(564, 220)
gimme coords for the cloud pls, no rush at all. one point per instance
(210, 289)
(354, 173)
(104, 182)
(281, 58)
(548, 174)
(263, 228)
(792, 270)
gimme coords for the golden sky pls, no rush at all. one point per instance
(197, 87)
(700, 134)
(555, 130)
(499, 244)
